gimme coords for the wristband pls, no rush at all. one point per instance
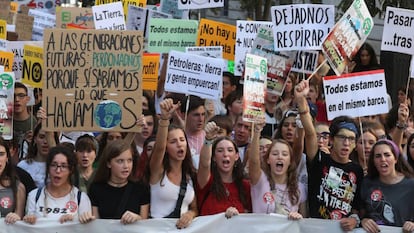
(401, 125)
(356, 217)
(208, 142)
(163, 123)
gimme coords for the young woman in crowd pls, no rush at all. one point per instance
(410, 151)
(85, 149)
(104, 139)
(59, 199)
(12, 191)
(275, 186)
(142, 172)
(113, 194)
(172, 171)
(221, 186)
(234, 105)
(365, 59)
(364, 144)
(35, 162)
(388, 189)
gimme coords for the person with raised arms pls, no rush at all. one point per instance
(221, 184)
(334, 181)
(172, 171)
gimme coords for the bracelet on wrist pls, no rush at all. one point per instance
(401, 125)
(208, 142)
(163, 123)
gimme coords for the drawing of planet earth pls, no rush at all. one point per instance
(108, 114)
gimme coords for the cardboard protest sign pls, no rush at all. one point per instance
(305, 62)
(74, 17)
(245, 36)
(301, 26)
(6, 60)
(347, 36)
(171, 7)
(138, 18)
(109, 16)
(356, 94)
(24, 26)
(41, 21)
(213, 33)
(194, 75)
(4, 9)
(6, 99)
(171, 34)
(278, 64)
(3, 29)
(199, 4)
(254, 88)
(398, 31)
(150, 64)
(125, 3)
(94, 86)
(32, 66)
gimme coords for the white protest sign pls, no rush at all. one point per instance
(301, 26)
(254, 90)
(245, 35)
(356, 94)
(171, 7)
(194, 75)
(199, 4)
(305, 62)
(41, 21)
(398, 31)
(138, 18)
(109, 16)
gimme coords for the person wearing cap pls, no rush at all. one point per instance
(387, 191)
(334, 181)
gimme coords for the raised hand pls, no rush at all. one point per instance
(211, 130)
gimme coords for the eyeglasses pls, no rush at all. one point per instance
(343, 138)
(63, 167)
(19, 96)
(324, 136)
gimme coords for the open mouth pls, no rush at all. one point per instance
(279, 166)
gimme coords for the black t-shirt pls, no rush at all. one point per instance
(26, 179)
(108, 198)
(334, 188)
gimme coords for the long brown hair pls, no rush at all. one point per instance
(187, 165)
(217, 187)
(8, 177)
(292, 177)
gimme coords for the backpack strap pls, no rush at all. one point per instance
(39, 191)
(79, 197)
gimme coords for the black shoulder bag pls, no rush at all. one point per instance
(176, 213)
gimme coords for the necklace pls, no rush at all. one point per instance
(121, 184)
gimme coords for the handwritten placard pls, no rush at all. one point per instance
(24, 26)
(213, 33)
(92, 79)
(305, 62)
(171, 34)
(41, 21)
(138, 18)
(109, 16)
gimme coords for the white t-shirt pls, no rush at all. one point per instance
(164, 197)
(36, 169)
(54, 208)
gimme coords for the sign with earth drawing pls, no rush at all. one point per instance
(92, 80)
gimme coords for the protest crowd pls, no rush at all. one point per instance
(305, 130)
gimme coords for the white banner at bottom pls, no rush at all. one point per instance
(214, 223)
